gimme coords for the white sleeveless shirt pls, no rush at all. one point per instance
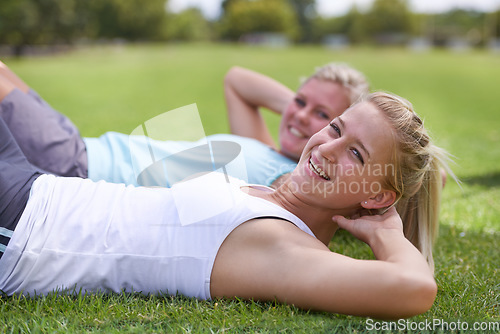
(78, 235)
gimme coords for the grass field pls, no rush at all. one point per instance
(118, 87)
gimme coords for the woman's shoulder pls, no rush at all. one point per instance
(275, 232)
(279, 252)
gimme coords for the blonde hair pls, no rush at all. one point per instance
(417, 178)
(354, 81)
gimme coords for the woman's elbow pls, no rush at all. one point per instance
(232, 74)
(427, 293)
(421, 295)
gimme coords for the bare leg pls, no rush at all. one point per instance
(6, 86)
(7, 74)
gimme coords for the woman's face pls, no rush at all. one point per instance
(315, 104)
(346, 162)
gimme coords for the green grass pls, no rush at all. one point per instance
(118, 87)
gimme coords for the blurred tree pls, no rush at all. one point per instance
(355, 26)
(130, 19)
(350, 25)
(28, 22)
(459, 23)
(32, 22)
(323, 26)
(18, 19)
(305, 11)
(243, 17)
(494, 21)
(225, 4)
(188, 25)
(389, 21)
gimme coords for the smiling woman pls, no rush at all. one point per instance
(218, 237)
(323, 96)
(342, 156)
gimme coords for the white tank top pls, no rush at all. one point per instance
(76, 234)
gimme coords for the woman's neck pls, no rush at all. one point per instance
(319, 220)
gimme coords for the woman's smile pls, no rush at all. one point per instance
(297, 133)
(318, 170)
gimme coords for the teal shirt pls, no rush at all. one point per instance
(139, 160)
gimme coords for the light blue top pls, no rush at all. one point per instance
(139, 160)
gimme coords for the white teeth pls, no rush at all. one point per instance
(315, 168)
(296, 132)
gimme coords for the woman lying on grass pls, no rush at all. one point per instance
(217, 237)
(52, 142)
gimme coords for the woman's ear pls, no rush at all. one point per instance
(383, 199)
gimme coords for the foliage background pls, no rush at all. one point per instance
(26, 23)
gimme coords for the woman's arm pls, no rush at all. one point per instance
(269, 259)
(398, 285)
(245, 92)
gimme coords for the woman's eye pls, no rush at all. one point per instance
(323, 115)
(358, 155)
(300, 102)
(335, 128)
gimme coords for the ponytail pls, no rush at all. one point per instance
(419, 172)
(420, 212)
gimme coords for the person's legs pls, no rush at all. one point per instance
(16, 177)
(13, 78)
(6, 86)
(48, 139)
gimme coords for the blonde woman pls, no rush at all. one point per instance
(326, 94)
(212, 237)
(51, 142)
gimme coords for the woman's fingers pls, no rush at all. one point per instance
(364, 226)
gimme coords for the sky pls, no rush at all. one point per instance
(327, 8)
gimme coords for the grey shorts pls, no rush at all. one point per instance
(16, 177)
(48, 139)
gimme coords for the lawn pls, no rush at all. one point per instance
(119, 87)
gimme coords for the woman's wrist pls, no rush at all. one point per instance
(387, 242)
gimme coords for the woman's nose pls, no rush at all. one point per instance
(303, 115)
(330, 149)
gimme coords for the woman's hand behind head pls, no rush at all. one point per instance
(365, 227)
